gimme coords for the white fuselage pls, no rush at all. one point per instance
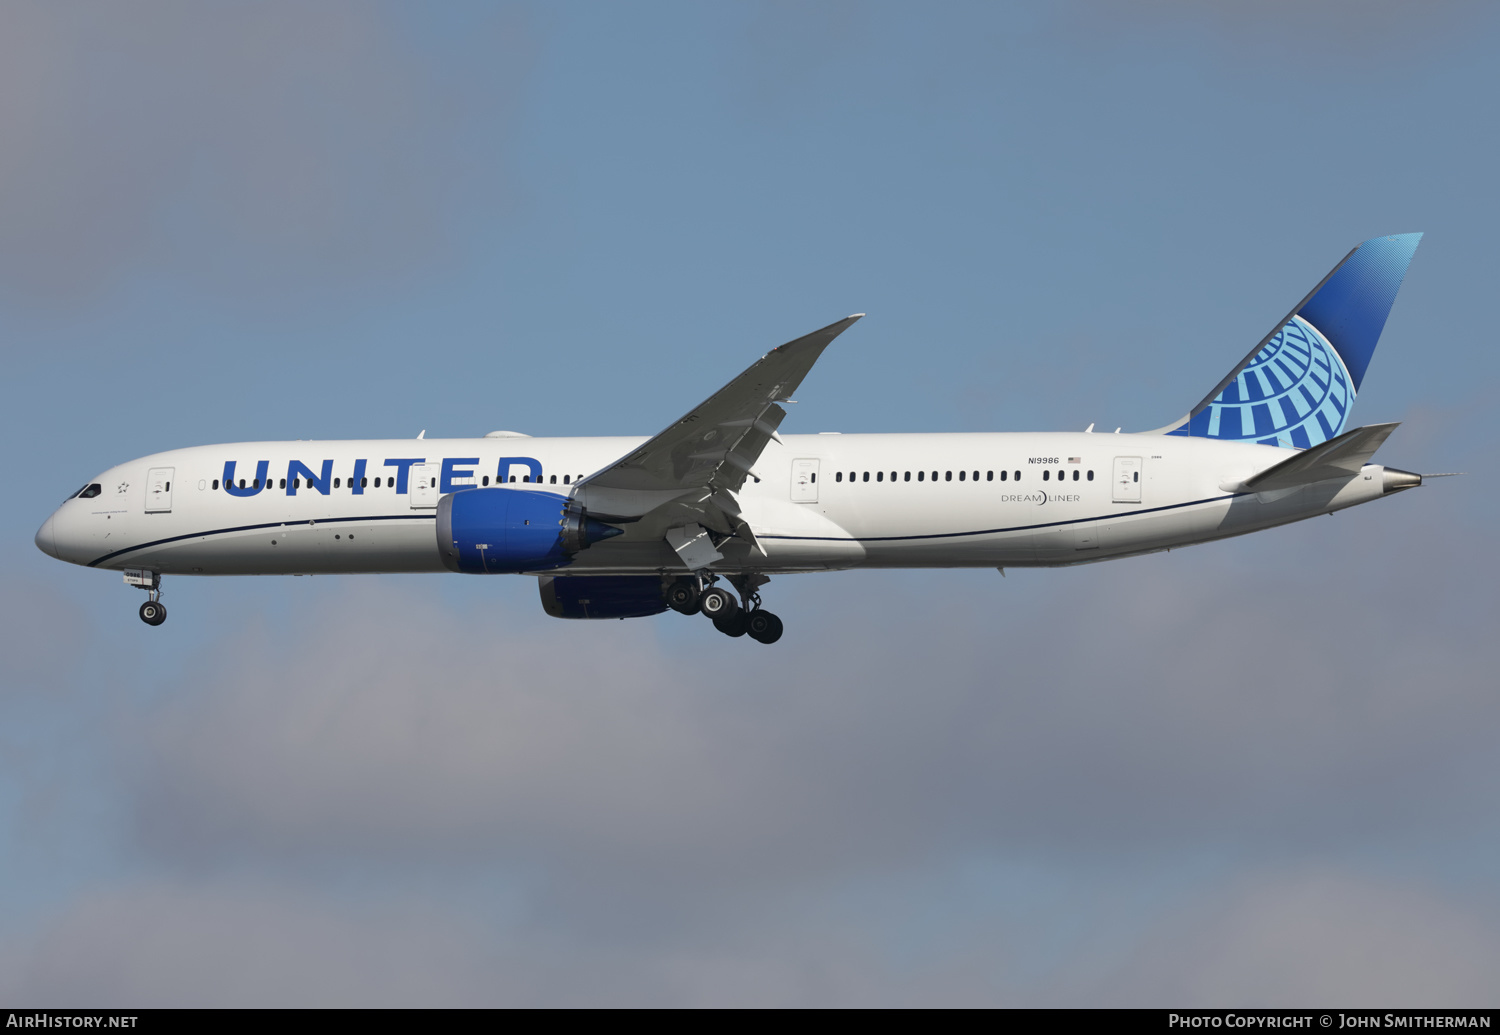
(822, 502)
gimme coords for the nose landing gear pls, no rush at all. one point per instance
(152, 611)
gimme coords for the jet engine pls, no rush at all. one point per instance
(501, 531)
(601, 596)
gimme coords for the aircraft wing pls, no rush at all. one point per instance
(1341, 457)
(700, 460)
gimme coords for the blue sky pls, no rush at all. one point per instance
(1254, 772)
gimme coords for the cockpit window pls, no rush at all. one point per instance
(88, 492)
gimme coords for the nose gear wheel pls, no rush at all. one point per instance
(152, 611)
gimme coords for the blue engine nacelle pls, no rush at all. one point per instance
(601, 596)
(501, 531)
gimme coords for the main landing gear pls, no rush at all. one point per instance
(152, 611)
(698, 594)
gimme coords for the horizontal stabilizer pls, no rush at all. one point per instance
(1341, 457)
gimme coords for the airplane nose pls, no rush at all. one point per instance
(46, 539)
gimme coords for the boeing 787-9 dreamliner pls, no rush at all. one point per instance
(628, 527)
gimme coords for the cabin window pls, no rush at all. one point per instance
(216, 485)
(880, 476)
(242, 483)
(1046, 474)
(867, 476)
(961, 475)
(976, 476)
(989, 476)
(921, 475)
(907, 478)
(947, 476)
(1091, 476)
(1135, 476)
(1075, 475)
(838, 476)
(554, 480)
(934, 476)
(1018, 476)
(512, 478)
(1003, 474)
(283, 482)
(814, 477)
(363, 483)
(336, 483)
(565, 479)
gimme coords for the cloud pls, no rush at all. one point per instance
(235, 147)
(232, 943)
(39, 632)
(1315, 936)
(934, 790)
(1266, 937)
(153, 945)
(1151, 703)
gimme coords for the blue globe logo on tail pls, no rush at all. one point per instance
(1298, 387)
(1295, 392)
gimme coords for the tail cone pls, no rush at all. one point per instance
(1397, 481)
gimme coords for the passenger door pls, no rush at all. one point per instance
(422, 488)
(1127, 484)
(159, 490)
(804, 481)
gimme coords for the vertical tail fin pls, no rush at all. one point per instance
(1297, 386)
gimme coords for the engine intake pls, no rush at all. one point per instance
(503, 531)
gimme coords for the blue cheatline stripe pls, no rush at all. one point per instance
(251, 528)
(1113, 515)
